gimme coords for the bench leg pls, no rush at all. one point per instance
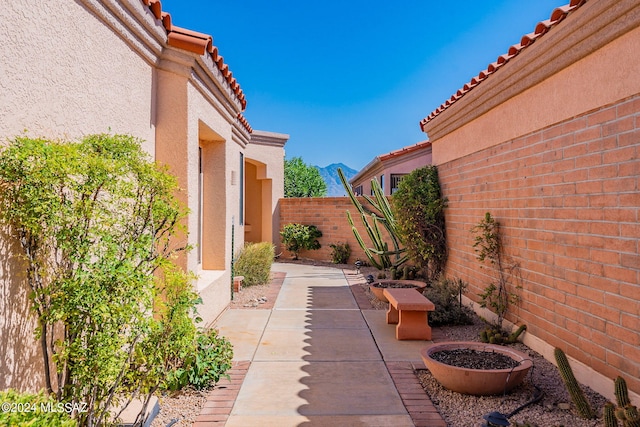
(392, 315)
(413, 325)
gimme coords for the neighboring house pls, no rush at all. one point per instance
(389, 168)
(547, 139)
(91, 66)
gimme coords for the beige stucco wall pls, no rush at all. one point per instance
(56, 81)
(92, 66)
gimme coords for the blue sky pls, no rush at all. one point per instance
(351, 79)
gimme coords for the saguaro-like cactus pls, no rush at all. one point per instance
(577, 395)
(380, 255)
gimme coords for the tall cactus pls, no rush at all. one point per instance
(625, 411)
(577, 395)
(379, 255)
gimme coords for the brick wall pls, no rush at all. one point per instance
(567, 198)
(329, 215)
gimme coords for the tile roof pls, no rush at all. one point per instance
(541, 28)
(405, 150)
(379, 159)
(201, 44)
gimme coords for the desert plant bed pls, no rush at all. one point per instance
(554, 410)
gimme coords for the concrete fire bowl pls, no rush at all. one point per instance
(479, 382)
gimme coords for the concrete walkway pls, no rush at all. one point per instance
(317, 359)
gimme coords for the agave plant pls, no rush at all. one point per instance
(380, 256)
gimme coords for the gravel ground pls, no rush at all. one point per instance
(554, 410)
(183, 407)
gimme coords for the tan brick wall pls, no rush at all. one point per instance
(568, 200)
(329, 215)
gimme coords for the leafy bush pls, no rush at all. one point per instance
(212, 359)
(418, 206)
(340, 253)
(297, 237)
(207, 362)
(446, 296)
(254, 263)
(95, 220)
(302, 180)
(26, 409)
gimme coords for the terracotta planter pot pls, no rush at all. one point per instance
(479, 382)
(377, 291)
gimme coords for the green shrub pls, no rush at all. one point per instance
(24, 409)
(418, 206)
(203, 367)
(212, 361)
(445, 295)
(297, 237)
(254, 263)
(95, 220)
(340, 253)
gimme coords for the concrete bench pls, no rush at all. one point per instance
(408, 310)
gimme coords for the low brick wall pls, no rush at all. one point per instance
(329, 214)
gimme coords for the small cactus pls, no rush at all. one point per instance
(514, 336)
(577, 395)
(629, 416)
(621, 391)
(625, 411)
(610, 415)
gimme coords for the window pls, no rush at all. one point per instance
(382, 183)
(395, 181)
(358, 190)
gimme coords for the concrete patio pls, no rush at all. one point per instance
(316, 358)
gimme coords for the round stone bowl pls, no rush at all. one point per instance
(479, 382)
(378, 290)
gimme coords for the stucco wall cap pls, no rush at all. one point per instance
(541, 29)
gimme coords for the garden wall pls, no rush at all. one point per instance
(329, 214)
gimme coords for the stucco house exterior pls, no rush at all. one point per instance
(547, 139)
(74, 68)
(389, 168)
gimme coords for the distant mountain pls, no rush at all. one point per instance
(330, 176)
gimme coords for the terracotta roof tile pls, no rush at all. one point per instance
(243, 121)
(198, 43)
(540, 30)
(405, 150)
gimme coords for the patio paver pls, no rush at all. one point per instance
(318, 360)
